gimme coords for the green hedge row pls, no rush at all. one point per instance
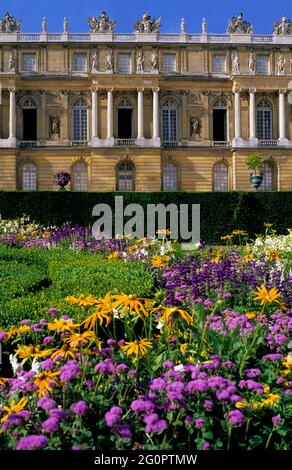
(220, 212)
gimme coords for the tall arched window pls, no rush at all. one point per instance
(80, 112)
(125, 177)
(169, 177)
(79, 177)
(220, 177)
(220, 121)
(169, 121)
(29, 177)
(270, 177)
(29, 119)
(264, 121)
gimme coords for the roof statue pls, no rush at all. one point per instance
(9, 24)
(283, 27)
(147, 24)
(237, 25)
(102, 24)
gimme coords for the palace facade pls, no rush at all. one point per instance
(145, 111)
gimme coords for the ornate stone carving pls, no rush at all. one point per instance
(195, 128)
(237, 25)
(65, 25)
(140, 61)
(12, 65)
(235, 63)
(9, 24)
(44, 25)
(55, 126)
(102, 24)
(204, 26)
(283, 27)
(183, 26)
(147, 24)
(154, 60)
(94, 61)
(281, 62)
(251, 63)
(109, 62)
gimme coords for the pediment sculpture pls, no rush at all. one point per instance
(283, 27)
(147, 24)
(237, 25)
(102, 24)
(9, 24)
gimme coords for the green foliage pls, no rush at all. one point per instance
(254, 162)
(235, 210)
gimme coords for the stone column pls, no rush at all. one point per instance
(155, 136)
(238, 141)
(140, 114)
(43, 130)
(94, 117)
(110, 117)
(252, 118)
(282, 118)
(12, 118)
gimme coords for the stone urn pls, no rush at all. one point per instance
(62, 179)
(256, 180)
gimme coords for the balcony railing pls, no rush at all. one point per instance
(23, 144)
(220, 143)
(125, 142)
(79, 143)
(268, 143)
(170, 143)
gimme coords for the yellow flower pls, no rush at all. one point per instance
(103, 312)
(267, 225)
(164, 232)
(25, 352)
(113, 255)
(82, 301)
(62, 325)
(139, 348)
(159, 261)
(249, 257)
(183, 348)
(241, 405)
(14, 408)
(266, 388)
(216, 259)
(16, 331)
(273, 255)
(79, 339)
(2, 380)
(272, 400)
(170, 312)
(45, 382)
(267, 296)
(226, 237)
(65, 351)
(131, 303)
(239, 232)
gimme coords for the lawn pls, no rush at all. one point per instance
(135, 344)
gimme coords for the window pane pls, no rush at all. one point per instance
(263, 65)
(169, 63)
(125, 63)
(80, 121)
(219, 63)
(169, 121)
(80, 62)
(220, 177)
(125, 177)
(264, 121)
(29, 177)
(80, 178)
(269, 177)
(169, 177)
(29, 62)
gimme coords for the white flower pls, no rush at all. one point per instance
(116, 313)
(179, 368)
(35, 366)
(14, 363)
(160, 325)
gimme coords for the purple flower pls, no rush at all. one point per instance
(113, 416)
(59, 414)
(208, 405)
(51, 425)
(276, 420)
(2, 335)
(197, 386)
(46, 404)
(168, 365)
(48, 364)
(105, 367)
(124, 430)
(32, 442)
(157, 384)
(141, 406)
(199, 423)
(236, 417)
(206, 446)
(154, 424)
(121, 368)
(188, 420)
(53, 310)
(80, 408)
(251, 373)
(70, 371)
(47, 340)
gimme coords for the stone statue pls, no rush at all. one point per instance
(12, 63)
(283, 27)
(9, 24)
(55, 125)
(237, 25)
(140, 61)
(94, 61)
(195, 128)
(251, 63)
(44, 25)
(235, 63)
(109, 62)
(147, 24)
(102, 24)
(183, 26)
(281, 64)
(204, 26)
(154, 60)
(65, 25)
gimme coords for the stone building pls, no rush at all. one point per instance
(145, 111)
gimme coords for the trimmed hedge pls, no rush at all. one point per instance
(220, 212)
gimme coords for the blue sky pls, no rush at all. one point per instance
(261, 13)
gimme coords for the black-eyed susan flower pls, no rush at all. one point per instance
(267, 296)
(138, 347)
(13, 408)
(45, 381)
(132, 304)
